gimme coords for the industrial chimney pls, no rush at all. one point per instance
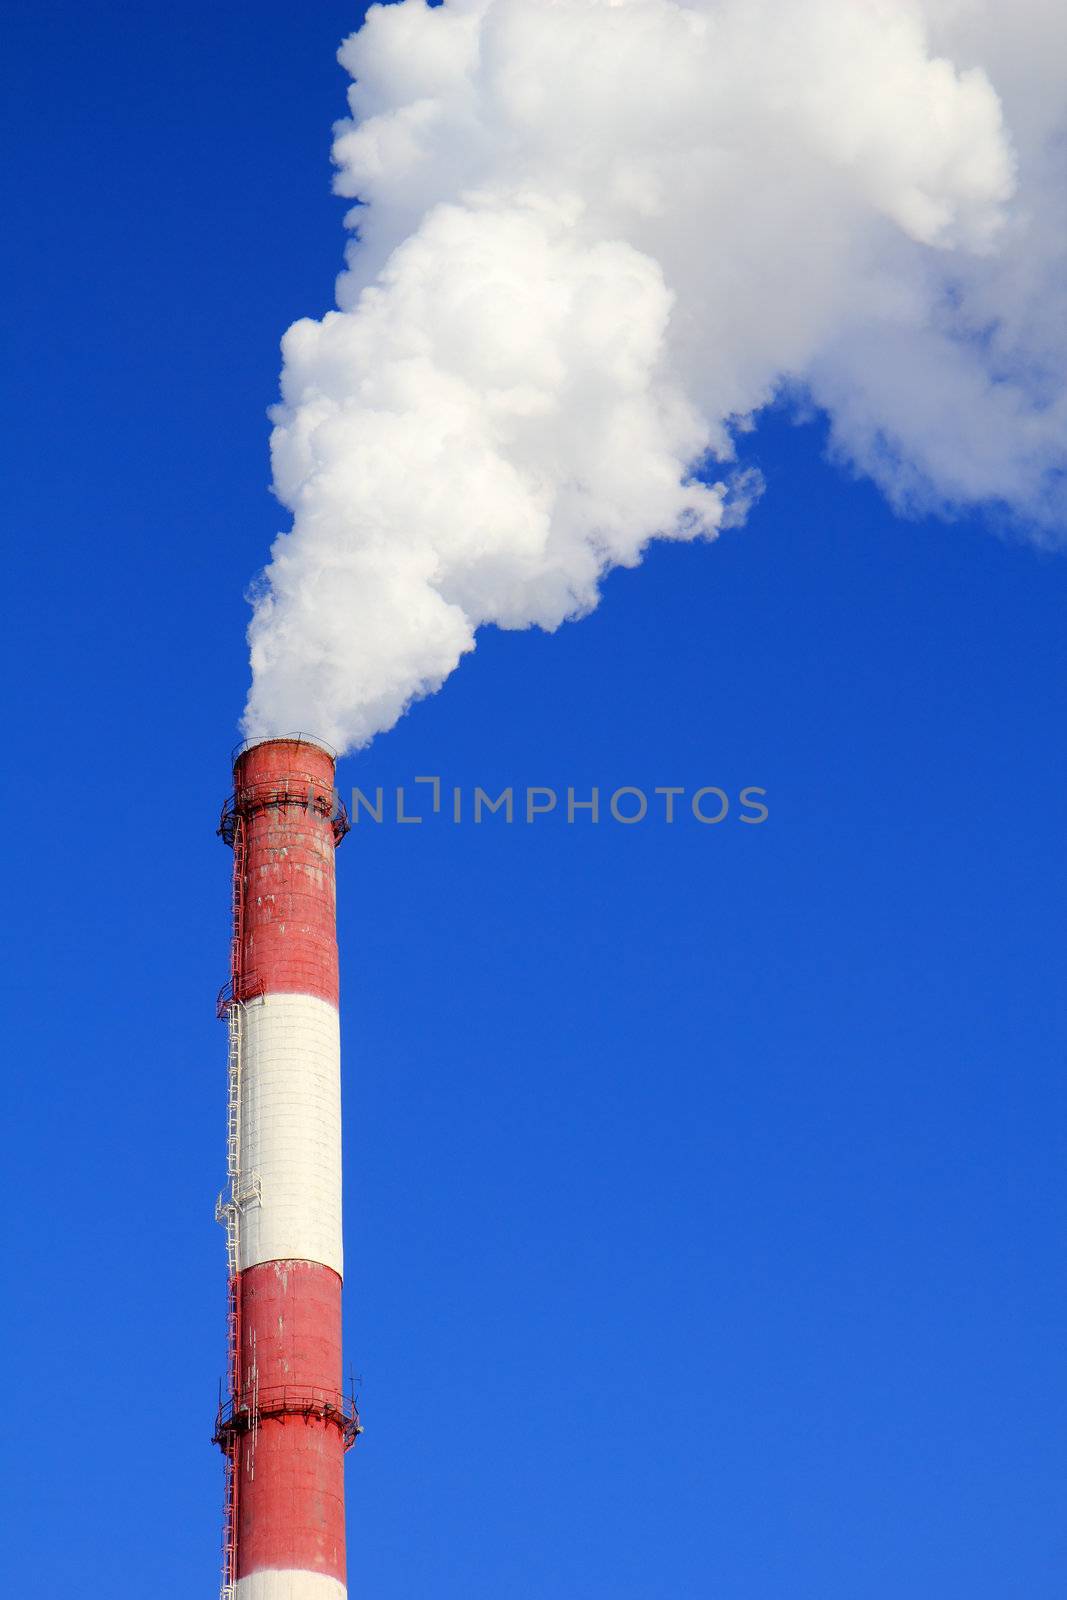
(284, 1424)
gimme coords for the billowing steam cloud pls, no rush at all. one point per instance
(594, 238)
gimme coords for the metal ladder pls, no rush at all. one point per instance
(228, 1212)
(228, 1591)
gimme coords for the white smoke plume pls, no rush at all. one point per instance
(593, 239)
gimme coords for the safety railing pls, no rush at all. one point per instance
(289, 1400)
(253, 798)
(283, 738)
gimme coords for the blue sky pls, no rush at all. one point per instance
(704, 1195)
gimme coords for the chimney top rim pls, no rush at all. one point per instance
(281, 738)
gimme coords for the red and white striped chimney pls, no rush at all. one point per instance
(285, 1424)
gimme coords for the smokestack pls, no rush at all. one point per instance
(285, 1424)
